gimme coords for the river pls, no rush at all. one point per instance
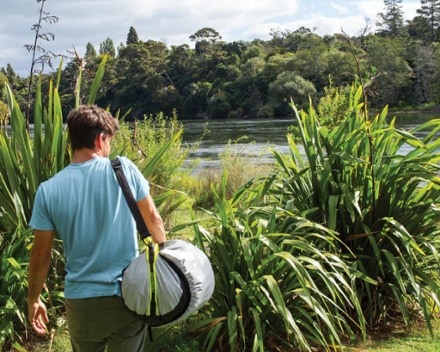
(255, 138)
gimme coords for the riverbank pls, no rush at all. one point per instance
(431, 108)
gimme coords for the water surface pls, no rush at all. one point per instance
(256, 138)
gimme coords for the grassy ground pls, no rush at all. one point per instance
(417, 338)
(168, 339)
(172, 340)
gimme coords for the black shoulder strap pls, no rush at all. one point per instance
(140, 223)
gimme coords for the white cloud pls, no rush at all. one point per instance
(343, 10)
(84, 21)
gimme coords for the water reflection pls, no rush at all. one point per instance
(256, 138)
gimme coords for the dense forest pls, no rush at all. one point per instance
(399, 65)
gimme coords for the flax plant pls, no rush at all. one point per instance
(28, 158)
(280, 283)
(382, 205)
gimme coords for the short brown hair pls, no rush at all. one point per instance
(86, 122)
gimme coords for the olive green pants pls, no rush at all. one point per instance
(94, 323)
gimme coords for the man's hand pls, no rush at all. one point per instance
(37, 315)
(38, 266)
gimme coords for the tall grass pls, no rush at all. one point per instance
(239, 167)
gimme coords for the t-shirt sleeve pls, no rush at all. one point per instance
(140, 183)
(40, 219)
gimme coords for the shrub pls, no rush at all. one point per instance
(155, 146)
(141, 141)
(280, 283)
(343, 236)
(235, 163)
(383, 205)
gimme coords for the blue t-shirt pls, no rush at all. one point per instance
(85, 205)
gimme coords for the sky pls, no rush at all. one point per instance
(173, 21)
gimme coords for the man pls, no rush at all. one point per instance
(85, 206)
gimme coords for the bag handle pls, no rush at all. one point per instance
(122, 180)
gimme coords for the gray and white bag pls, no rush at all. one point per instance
(166, 282)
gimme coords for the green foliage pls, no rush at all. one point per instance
(29, 158)
(3, 115)
(25, 162)
(200, 187)
(179, 339)
(333, 106)
(430, 11)
(107, 47)
(287, 86)
(141, 140)
(13, 282)
(341, 239)
(257, 79)
(235, 163)
(391, 22)
(155, 145)
(394, 74)
(132, 36)
(3, 106)
(279, 280)
(383, 205)
(414, 339)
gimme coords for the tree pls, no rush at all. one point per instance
(219, 106)
(430, 10)
(196, 100)
(205, 33)
(181, 66)
(107, 48)
(309, 60)
(204, 39)
(90, 51)
(132, 70)
(19, 85)
(132, 37)
(391, 21)
(142, 78)
(426, 74)
(287, 86)
(339, 66)
(419, 28)
(393, 74)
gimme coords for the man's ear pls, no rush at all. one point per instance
(98, 140)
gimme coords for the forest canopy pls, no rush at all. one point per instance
(399, 64)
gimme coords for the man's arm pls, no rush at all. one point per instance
(38, 267)
(152, 218)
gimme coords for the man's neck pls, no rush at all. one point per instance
(84, 154)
